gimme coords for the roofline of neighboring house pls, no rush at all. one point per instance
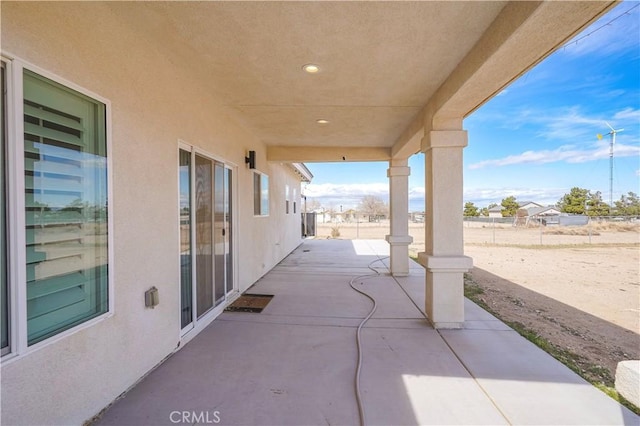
(524, 203)
(303, 171)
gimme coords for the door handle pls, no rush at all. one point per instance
(224, 232)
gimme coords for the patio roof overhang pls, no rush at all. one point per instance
(387, 70)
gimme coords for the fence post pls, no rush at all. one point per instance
(493, 221)
(540, 225)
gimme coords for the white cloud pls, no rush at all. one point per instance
(347, 190)
(572, 126)
(569, 123)
(416, 193)
(349, 195)
(605, 38)
(567, 153)
(628, 114)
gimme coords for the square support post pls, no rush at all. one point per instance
(444, 258)
(399, 239)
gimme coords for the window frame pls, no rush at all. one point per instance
(295, 200)
(198, 324)
(7, 231)
(264, 210)
(15, 216)
(286, 197)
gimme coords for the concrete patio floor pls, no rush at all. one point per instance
(294, 363)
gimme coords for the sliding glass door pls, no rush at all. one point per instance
(186, 264)
(205, 235)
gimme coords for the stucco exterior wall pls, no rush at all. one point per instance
(157, 98)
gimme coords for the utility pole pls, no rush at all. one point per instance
(612, 142)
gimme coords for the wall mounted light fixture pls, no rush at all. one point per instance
(251, 160)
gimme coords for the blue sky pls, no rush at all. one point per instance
(537, 139)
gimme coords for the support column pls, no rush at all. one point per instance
(399, 239)
(444, 258)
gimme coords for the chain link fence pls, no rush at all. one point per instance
(552, 230)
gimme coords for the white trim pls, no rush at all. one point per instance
(192, 203)
(15, 209)
(111, 282)
(15, 190)
(184, 146)
(235, 214)
(209, 155)
(202, 323)
(5, 231)
(15, 178)
(58, 79)
(303, 171)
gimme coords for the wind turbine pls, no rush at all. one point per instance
(612, 142)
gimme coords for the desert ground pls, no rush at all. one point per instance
(577, 287)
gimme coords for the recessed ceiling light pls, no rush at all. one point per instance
(322, 121)
(311, 68)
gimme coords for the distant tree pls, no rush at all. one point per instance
(42, 206)
(583, 201)
(595, 205)
(373, 207)
(331, 209)
(470, 209)
(509, 206)
(485, 210)
(574, 202)
(312, 205)
(628, 205)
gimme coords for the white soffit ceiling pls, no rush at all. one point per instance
(380, 62)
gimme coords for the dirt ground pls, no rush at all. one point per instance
(579, 288)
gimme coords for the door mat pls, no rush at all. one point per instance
(250, 303)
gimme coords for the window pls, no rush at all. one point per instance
(64, 239)
(295, 200)
(260, 194)
(286, 197)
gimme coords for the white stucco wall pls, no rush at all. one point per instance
(157, 98)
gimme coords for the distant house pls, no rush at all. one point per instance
(523, 205)
(543, 211)
(416, 217)
(528, 205)
(547, 215)
(495, 211)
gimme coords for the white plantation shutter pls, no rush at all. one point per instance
(65, 207)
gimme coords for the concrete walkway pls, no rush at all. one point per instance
(294, 363)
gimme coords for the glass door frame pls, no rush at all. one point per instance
(197, 324)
